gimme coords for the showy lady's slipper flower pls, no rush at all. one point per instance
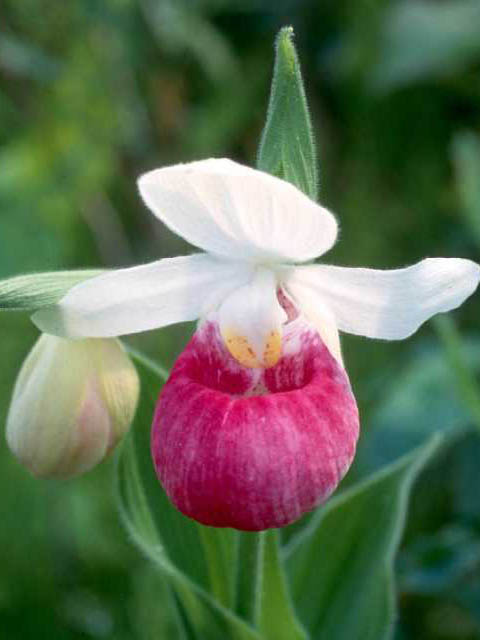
(257, 423)
(72, 402)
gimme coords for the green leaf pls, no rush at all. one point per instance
(421, 400)
(287, 147)
(276, 617)
(341, 565)
(34, 291)
(198, 562)
(466, 159)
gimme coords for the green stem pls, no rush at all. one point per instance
(464, 377)
(219, 572)
(249, 574)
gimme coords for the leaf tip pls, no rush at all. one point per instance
(284, 46)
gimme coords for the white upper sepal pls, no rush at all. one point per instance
(251, 321)
(238, 212)
(142, 298)
(388, 304)
(72, 402)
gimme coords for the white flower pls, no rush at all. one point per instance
(256, 230)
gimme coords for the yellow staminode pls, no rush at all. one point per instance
(241, 349)
(273, 349)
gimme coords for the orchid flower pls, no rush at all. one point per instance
(257, 423)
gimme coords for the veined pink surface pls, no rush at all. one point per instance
(254, 449)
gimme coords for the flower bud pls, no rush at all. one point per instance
(72, 402)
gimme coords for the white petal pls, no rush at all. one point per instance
(234, 211)
(251, 321)
(389, 304)
(141, 298)
(318, 314)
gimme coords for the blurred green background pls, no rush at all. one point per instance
(92, 93)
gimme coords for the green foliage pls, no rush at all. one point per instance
(200, 563)
(171, 541)
(249, 574)
(287, 147)
(92, 94)
(173, 22)
(277, 619)
(341, 565)
(34, 291)
(464, 375)
(424, 39)
(420, 400)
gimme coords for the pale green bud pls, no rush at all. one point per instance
(72, 402)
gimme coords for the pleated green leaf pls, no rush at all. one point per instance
(36, 290)
(287, 148)
(198, 562)
(341, 565)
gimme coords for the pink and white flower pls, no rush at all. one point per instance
(257, 423)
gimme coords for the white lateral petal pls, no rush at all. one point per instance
(316, 312)
(251, 321)
(145, 297)
(389, 304)
(231, 210)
